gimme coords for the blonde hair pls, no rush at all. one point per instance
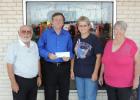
(83, 19)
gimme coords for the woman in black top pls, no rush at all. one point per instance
(86, 63)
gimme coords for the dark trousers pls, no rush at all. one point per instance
(57, 77)
(27, 89)
(138, 91)
(114, 93)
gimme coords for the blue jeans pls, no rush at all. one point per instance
(87, 89)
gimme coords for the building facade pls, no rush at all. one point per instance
(11, 17)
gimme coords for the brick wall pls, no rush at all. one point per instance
(129, 11)
(11, 18)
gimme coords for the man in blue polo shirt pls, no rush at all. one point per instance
(57, 69)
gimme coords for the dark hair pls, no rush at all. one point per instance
(58, 14)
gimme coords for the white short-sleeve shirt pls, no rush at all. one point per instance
(24, 59)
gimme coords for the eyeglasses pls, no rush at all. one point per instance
(26, 31)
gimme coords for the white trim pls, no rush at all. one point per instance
(115, 11)
(24, 11)
(72, 91)
(25, 1)
(69, 0)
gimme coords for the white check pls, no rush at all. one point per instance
(62, 54)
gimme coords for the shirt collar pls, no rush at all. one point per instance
(23, 44)
(61, 32)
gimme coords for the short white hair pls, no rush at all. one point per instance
(122, 24)
(26, 26)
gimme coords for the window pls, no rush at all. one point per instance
(102, 14)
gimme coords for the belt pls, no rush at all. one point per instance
(57, 63)
(25, 78)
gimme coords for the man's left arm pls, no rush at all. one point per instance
(39, 77)
(70, 48)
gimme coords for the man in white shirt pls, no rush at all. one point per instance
(23, 66)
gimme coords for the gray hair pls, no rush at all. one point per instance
(122, 25)
(26, 26)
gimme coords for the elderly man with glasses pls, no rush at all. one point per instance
(23, 66)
